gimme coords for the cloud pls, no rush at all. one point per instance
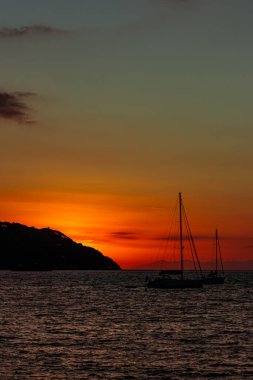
(176, 238)
(26, 31)
(126, 235)
(13, 107)
(129, 235)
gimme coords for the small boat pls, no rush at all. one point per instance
(214, 277)
(176, 279)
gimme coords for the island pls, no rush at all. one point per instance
(30, 248)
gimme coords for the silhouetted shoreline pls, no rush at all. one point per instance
(32, 249)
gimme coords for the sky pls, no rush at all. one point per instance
(108, 109)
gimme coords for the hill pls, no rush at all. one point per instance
(29, 248)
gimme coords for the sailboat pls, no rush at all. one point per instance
(176, 279)
(214, 277)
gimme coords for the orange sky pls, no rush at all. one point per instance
(130, 228)
(108, 109)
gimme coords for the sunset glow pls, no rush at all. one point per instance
(106, 115)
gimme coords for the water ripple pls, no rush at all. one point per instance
(88, 325)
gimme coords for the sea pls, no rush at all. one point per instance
(107, 325)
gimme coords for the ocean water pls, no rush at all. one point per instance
(88, 325)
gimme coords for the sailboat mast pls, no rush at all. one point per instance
(181, 236)
(218, 247)
(216, 251)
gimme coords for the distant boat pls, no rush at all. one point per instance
(175, 279)
(215, 277)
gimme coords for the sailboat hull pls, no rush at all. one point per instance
(162, 283)
(214, 280)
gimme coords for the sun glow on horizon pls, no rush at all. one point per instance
(107, 112)
(132, 237)
(132, 232)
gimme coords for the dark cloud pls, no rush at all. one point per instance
(129, 235)
(13, 107)
(29, 31)
(176, 238)
(126, 235)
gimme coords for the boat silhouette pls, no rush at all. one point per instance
(216, 277)
(176, 279)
